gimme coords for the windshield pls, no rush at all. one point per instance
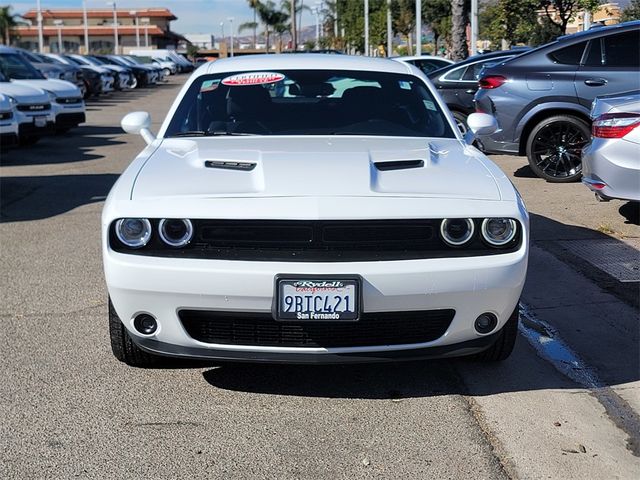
(309, 102)
(75, 61)
(16, 67)
(143, 59)
(95, 61)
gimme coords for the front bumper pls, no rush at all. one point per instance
(70, 119)
(614, 163)
(163, 286)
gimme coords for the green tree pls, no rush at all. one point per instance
(512, 20)
(253, 4)
(404, 20)
(560, 12)
(631, 11)
(437, 14)
(8, 21)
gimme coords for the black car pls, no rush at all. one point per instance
(542, 98)
(142, 74)
(458, 83)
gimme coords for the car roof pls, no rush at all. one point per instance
(421, 57)
(479, 58)
(303, 61)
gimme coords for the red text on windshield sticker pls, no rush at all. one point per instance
(253, 78)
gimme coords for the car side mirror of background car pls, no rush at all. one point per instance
(139, 123)
(480, 125)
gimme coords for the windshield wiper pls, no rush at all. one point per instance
(220, 133)
(190, 133)
(201, 133)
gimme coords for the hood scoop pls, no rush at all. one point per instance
(399, 165)
(243, 166)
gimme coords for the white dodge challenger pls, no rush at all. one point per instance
(312, 209)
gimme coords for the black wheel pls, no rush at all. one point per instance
(554, 148)
(461, 121)
(124, 349)
(503, 346)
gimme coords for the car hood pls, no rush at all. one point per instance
(60, 88)
(24, 93)
(116, 68)
(319, 166)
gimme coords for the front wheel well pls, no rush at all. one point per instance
(533, 121)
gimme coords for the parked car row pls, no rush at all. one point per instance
(43, 94)
(542, 99)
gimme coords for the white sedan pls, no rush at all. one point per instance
(312, 209)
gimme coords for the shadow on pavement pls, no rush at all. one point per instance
(70, 147)
(36, 198)
(525, 172)
(631, 211)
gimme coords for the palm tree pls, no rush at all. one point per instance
(7, 22)
(272, 18)
(294, 8)
(249, 26)
(254, 5)
(459, 30)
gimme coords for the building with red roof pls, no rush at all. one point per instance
(144, 27)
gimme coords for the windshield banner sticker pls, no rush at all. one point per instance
(252, 78)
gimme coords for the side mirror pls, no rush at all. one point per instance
(480, 125)
(139, 123)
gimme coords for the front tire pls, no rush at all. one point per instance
(503, 346)
(554, 148)
(124, 349)
(461, 121)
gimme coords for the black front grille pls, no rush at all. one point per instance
(260, 329)
(316, 241)
(6, 115)
(69, 100)
(35, 107)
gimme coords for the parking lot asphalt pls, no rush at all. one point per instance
(564, 405)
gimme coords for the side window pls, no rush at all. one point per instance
(621, 50)
(594, 57)
(570, 55)
(455, 74)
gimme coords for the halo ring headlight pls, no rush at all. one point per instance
(498, 231)
(176, 232)
(457, 231)
(133, 232)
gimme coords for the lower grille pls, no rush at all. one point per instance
(39, 107)
(260, 329)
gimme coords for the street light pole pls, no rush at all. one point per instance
(474, 27)
(316, 10)
(389, 30)
(135, 19)
(231, 34)
(418, 27)
(115, 28)
(86, 27)
(366, 27)
(145, 22)
(59, 23)
(40, 35)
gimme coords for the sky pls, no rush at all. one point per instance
(194, 16)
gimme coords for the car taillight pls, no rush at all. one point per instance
(614, 125)
(491, 81)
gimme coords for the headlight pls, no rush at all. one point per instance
(498, 231)
(52, 96)
(176, 232)
(457, 231)
(133, 232)
(12, 100)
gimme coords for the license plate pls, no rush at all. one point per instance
(317, 299)
(40, 121)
